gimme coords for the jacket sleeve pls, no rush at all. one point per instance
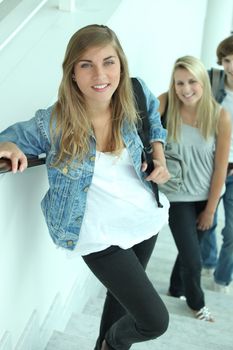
(157, 132)
(32, 136)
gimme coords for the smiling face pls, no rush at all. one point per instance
(187, 88)
(227, 63)
(97, 74)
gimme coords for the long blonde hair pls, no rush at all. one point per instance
(72, 125)
(208, 110)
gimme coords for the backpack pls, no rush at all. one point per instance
(175, 164)
(143, 131)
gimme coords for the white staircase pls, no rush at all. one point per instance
(184, 332)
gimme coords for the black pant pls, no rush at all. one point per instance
(133, 311)
(186, 274)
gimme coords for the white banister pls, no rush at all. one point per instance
(17, 19)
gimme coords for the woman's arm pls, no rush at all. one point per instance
(220, 170)
(160, 174)
(31, 136)
(157, 137)
(157, 132)
(163, 99)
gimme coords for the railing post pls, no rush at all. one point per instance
(67, 5)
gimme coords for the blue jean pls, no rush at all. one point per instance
(209, 249)
(223, 273)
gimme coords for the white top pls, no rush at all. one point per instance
(120, 210)
(227, 103)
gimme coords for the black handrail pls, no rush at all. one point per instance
(5, 164)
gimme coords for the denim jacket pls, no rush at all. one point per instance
(64, 203)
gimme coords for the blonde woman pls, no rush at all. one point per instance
(100, 203)
(200, 130)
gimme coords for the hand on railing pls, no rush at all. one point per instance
(5, 164)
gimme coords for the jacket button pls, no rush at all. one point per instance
(79, 219)
(65, 170)
(70, 243)
(92, 158)
(86, 189)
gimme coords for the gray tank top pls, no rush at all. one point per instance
(198, 155)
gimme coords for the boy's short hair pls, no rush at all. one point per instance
(224, 49)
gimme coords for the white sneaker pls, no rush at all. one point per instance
(220, 288)
(207, 272)
(181, 297)
(204, 315)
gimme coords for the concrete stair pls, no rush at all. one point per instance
(184, 332)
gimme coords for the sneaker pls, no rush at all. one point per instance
(207, 272)
(181, 297)
(220, 288)
(204, 315)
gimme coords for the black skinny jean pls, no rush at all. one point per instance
(186, 274)
(133, 311)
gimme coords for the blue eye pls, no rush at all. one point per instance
(85, 65)
(108, 63)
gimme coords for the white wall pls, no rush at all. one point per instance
(153, 33)
(218, 26)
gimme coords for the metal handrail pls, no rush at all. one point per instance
(5, 164)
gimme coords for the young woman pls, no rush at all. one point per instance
(100, 201)
(222, 82)
(200, 131)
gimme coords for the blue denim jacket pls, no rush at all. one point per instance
(64, 203)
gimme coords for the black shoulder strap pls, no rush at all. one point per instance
(164, 115)
(215, 79)
(143, 131)
(143, 127)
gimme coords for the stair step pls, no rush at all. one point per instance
(186, 328)
(188, 333)
(216, 302)
(216, 335)
(64, 341)
(85, 324)
(159, 269)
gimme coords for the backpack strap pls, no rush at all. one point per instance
(143, 127)
(164, 115)
(215, 75)
(143, 131)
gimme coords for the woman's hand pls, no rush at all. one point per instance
(18, 159)
(159, 175)
(205, 220)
